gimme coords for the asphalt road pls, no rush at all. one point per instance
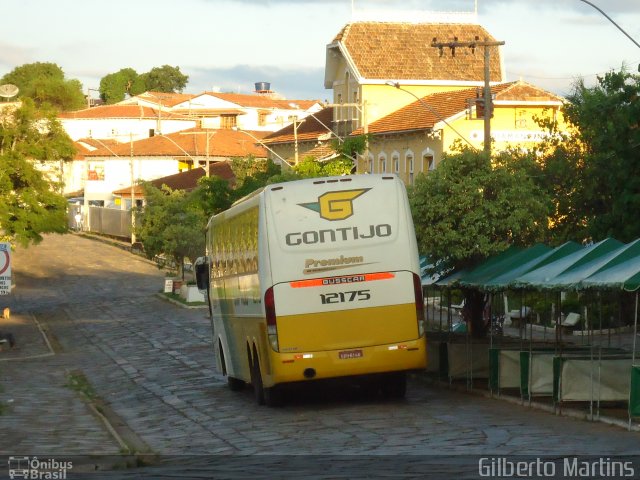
(147, 371)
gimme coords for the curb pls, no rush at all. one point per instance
(179, 304)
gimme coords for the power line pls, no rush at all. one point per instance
(612, 21)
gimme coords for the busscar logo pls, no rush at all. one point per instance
(336, 205)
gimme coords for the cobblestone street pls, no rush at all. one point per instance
(151, 368)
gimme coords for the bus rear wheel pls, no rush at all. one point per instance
(235, 384)
(273, 396)
(256, 381)
(394, 385)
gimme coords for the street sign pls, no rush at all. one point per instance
(5, 268)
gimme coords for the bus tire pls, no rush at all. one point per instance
(394, 385)
(209, 305)
(273, 396)
(235, 384)
(256, 380)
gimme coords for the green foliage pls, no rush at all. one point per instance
(351, 146)
(592, 173)
(606, 117)
(213, 195)
(251, 174)
(114, 86)
(166, 79)
(29, 202)
(23, 75)
(470, 208)
(173, 223)
(310, 168)
(560, 159)
(46, 85)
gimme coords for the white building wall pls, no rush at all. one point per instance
(117, 175)
(121, 129)
(276, 118)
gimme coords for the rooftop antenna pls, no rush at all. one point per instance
(8, 90)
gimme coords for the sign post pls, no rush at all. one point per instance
(5, 268)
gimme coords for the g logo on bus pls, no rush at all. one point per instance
(335, 205)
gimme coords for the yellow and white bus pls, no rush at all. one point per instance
(316, 279)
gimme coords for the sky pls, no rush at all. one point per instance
(228, 45)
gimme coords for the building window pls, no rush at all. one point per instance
(396, 163)
(228, 121)
(382, 162)
(409, 162)
(262, 119)
(521, 121)
(428, 162)
(356, 118)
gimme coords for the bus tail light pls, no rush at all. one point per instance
(417, 291)
(270, 313)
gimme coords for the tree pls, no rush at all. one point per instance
(349, 148)
(561, 161)
(114, 86)
(166, 79)
(29, 202)
(172, 224)
(45, 84)
(258, 174)
(608, 135)
(472, 207)
(213, 195)
(309, 167)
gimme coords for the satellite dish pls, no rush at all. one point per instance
(8, 90)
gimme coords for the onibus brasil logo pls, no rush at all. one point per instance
(34, 468)
(336, 205)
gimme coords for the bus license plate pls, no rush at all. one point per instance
(349, 354)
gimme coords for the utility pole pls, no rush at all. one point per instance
(208, 134)
(133, 193)
(488, 107)
(295, 139)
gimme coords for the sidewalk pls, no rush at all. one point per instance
(40, 412)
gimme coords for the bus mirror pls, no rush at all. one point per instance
(202, 273)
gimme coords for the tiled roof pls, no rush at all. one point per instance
(308, 130)
(424, 114)
(165, 99)
(262, 101)
(209, 112)
(524, 92)
(184, 180)
(324, 151)
(119, 111)
(403, 51)
(88, 145)
(221, 143)
(81, 150)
